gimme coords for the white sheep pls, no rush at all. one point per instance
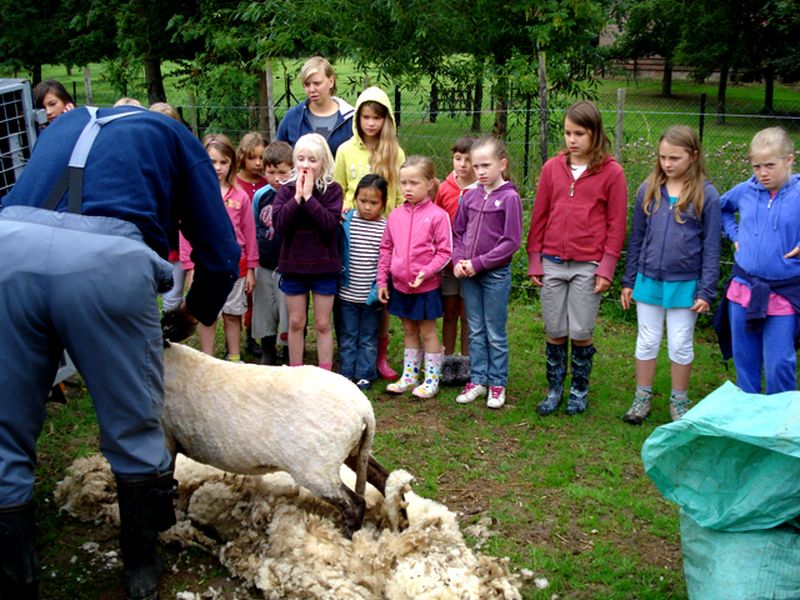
(254, 419)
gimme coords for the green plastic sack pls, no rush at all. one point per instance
(721, 565)
(733, 461)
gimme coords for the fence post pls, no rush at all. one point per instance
(87, 85)
(74, 90)
(527, 138)
(397, 106)
(702, 123)
(288, 91)
(618, 131)
(543, 105)
(192, 107)
(270, 100)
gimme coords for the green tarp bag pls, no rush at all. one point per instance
(732, 463)
(751, 565)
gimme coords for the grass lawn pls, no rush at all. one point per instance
(567, 495)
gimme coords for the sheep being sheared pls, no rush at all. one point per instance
(254, 419)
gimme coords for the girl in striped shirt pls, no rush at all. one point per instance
(360, 309)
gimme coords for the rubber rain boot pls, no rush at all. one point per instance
(556, 368)
(581, 370)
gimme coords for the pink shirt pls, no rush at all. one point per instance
(777, 306)
(240, 212)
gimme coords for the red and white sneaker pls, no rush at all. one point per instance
(471, 392)
(497, 396)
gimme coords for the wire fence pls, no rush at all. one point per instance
(633, 123)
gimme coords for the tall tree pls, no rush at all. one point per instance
(651, 28)
(32, 34)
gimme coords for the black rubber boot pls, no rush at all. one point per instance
(19, 566)
(251, 346)
(581, 369)
(269, 355)
(556, 373)
(145, 509)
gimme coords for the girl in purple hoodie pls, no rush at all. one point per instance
(487, 232)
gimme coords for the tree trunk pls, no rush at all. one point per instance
(666, 80)
(769, 90)
(477, 103)
(721, 91)
(36, 74)
(434, 105)
(500, 127)
(153, 79)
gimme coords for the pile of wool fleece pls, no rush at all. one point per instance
(288, 544)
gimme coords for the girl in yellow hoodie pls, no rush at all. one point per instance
(372, 149)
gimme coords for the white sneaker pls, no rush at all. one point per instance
(497, 396)
(470, 393)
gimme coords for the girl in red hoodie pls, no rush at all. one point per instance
(575, 240)
(416, 245)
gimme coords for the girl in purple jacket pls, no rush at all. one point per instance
(416, 246)
(673, 265)
(487, 232)
(306, 213)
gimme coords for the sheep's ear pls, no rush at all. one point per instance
(166, 343)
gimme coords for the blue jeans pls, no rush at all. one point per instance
(771, 348)
(486, 303)
(358, 341)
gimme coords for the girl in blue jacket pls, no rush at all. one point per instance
(763, 296)
(673, 265)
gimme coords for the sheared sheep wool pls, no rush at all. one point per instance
(286, 542)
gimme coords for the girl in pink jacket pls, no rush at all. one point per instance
(416, 246)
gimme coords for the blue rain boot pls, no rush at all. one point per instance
(556, 373)
(581, 369)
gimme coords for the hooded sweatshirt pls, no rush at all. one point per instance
(579, 219)
(352, 158)
(488, 227)
(417, 238)
(295, 124)
(768, 228)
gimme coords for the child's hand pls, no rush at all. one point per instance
(418, 281)
(601, 284)
(467, 268)
(700, 306)
(383, 295)
(625, 297)
(250, 281)
(793, 253)
(308, 184)
(344, 214)
(536, 280)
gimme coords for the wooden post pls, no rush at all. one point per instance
(87, 85)
(527, 145)
(397, 106)
(543, 133)
(270, 101)
(618, 130)
(193, 121)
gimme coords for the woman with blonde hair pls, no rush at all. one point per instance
(321, 112)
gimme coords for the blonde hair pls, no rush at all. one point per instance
(316, 144)
(318, 64)
(126, 101)
(222, 144)
(426, 167)
(249, 142)
(693, 180)
(772, 139)
(585, 114)
(382, 158)
(166, 109)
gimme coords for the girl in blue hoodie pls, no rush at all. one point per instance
(763, 296)
(673, 265)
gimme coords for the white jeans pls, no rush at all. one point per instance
(680, 332)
